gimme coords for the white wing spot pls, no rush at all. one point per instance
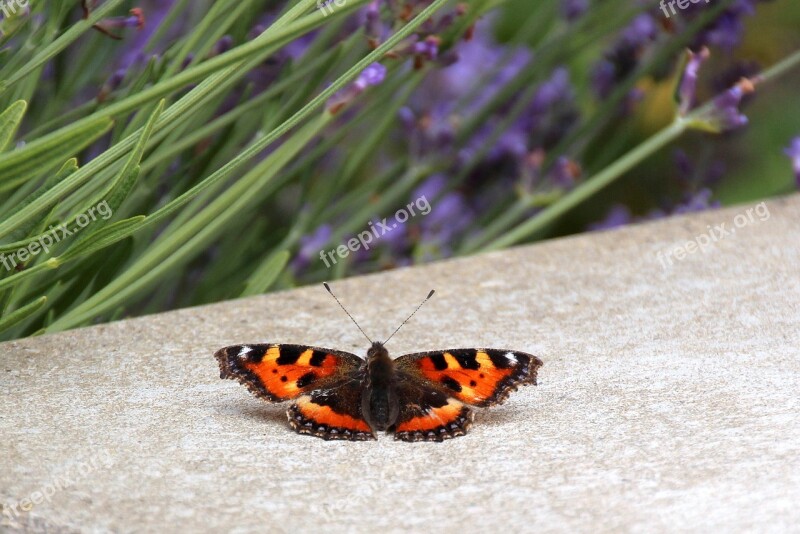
(244, 350)
(511, 357)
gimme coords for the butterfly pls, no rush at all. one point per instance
(339, 396)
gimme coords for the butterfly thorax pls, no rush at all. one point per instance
(379, 402)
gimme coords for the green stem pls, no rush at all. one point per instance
(780, 68)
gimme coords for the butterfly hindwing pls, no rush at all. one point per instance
(480, 377)
(428, 413)
(278, 372)
(333, 412)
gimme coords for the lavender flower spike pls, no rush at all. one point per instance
(688, 86)
(723, 114)
(134, 20)
(372, 75)
(793, 151)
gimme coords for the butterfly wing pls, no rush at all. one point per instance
(428, 413)
(333, 412)
(283, 372)
(480, 377)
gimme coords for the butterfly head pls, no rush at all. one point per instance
(377, 351)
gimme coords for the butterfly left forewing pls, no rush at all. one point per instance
(480, 377)
(280, 372)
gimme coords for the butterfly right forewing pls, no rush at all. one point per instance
(480, 377)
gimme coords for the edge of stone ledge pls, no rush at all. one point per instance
(628, 229)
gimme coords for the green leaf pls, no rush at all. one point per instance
(68, 168)
(9, 122)
(21, 314)
(103, 237)
(266, 274)
(182, 107)
(122, 185)
(44, 154)
(122, 188)
(126, 179)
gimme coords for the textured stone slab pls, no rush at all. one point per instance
(668, 400)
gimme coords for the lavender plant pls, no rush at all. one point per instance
(232, 144)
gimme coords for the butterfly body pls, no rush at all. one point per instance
(338, 395)
(379, 403)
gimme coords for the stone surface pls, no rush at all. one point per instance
(668, 399)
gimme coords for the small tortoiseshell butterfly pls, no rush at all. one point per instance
(338, 395)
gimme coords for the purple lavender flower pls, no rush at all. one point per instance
(724, 114)
(221, 46)
(423, 45)
(553, 110)
(428, 49)
(430, 131)
(310, 246)
(725, 31)
(455, 81)
(624, 56)
(156, 11)
(793, 151)
(566, 172)
(692, 177)
(372, 75)
(134, 20)
(688, 86)
(450, 216)
(572, 10)
(699, 201)
(111, 85)
(618, 215)
(374, 28)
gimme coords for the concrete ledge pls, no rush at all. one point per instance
(668, 400)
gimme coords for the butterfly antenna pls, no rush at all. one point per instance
(345, 310)
(410, 316)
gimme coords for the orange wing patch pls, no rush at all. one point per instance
(433, 418)
(287, 380)
(283, 372)
(433, 423)
(480, 377)
(324, 416)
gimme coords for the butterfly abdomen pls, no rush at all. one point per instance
(379, 402)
